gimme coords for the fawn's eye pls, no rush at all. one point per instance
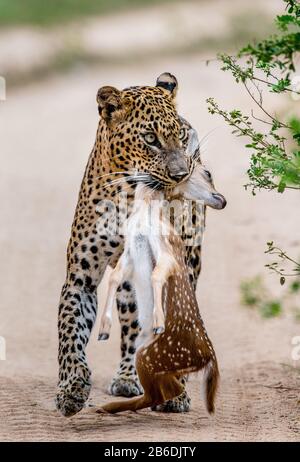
(151, 138)
(182, 133)
(208, 174)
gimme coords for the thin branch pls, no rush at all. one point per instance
(282, 273)
(263, 109)
(278, 251)
(260, 120)
(270, 84)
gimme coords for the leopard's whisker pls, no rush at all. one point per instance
(208, 135)
(124, 172)
(113, 173)
(128, 178)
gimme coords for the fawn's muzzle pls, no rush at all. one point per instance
(220, 200)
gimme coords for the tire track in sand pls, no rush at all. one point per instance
(258, 402)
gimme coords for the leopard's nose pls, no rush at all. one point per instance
(179, 176)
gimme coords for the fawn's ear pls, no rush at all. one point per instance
(109, 103)
(193, 145)
(168, 82)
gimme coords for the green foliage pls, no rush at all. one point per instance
(271, 167)
(269, 63)
(278, 51)
(252, 292)
(295, 286)
(284, 265)
(255, 295)
(39, 12)
(275, 146)
(271, 309)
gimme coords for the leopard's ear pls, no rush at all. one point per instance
(109, 103)
(168, 82)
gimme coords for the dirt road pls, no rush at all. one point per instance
(46, 133)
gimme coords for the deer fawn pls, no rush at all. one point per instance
(173, 340)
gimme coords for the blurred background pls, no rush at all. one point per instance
(42, 38)
(54, 56)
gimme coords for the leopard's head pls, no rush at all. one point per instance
(145, 135)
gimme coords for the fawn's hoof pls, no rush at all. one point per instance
(71, 399)
(103, 336)
(122, 386)
(101, 410)
(180, 404)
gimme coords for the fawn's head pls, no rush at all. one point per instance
(199, 184)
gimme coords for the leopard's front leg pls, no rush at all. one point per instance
(88, 256)
(77, 313)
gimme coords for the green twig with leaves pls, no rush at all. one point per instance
(282, 260)
(275, 147)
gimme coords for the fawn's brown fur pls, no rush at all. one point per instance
(183, 346)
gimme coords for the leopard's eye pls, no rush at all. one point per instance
(182, 133)
(150, 138)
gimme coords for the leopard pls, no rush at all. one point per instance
(140, 138)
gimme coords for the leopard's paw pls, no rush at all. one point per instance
(123, 386)
(181, 403)
(72, 397)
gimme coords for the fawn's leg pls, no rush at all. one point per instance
(164, 388)
(134, 403)
(159, 276)
(157, 389)
(122, 270)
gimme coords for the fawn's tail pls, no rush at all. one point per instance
(211, 381)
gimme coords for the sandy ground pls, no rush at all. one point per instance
(46, 133)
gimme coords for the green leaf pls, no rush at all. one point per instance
(281, 187)
(295, 286)
(271, 309)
